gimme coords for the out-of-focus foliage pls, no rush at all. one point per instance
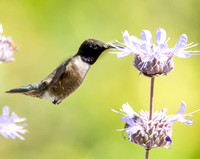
(82, 127)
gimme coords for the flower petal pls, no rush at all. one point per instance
(160, 36)
(132, 130)
(169, 140)
(181, 43)
(146, 48)
(6, 111)
(164, 111)
(146, 36)
(185, 121)
(182, 109)
(179, 47)
(136, 41)
(126, 37)
(181, 119)
(124, 53)
(129, 121)
(128, 110)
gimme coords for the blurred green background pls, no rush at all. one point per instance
(82, 126)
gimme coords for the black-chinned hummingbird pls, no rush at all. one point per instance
(68, 76)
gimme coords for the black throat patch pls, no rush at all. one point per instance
(90, 50)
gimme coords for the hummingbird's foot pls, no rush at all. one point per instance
(55, 101)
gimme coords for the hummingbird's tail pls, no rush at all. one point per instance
(18, 90)
(35, 90)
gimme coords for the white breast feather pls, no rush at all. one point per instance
(83, 66)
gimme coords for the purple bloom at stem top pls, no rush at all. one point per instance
(9, 126)
(154, 59)
(7, 48)
(152, 133)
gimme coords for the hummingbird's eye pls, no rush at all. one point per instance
(94, 46)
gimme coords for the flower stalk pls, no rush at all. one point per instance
(151, 107)
(151, 98)
(147, 154)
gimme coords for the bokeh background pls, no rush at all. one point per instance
(82, 126)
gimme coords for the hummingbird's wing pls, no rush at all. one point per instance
(58, 73)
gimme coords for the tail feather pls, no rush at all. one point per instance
(18, 90)
(34, 90)
(29, 90)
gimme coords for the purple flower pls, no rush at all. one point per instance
(151, 133)
(9, 126)
(7, 48)
(150, 59)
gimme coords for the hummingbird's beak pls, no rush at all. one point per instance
(110, 46)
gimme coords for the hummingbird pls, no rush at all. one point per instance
(68, 76)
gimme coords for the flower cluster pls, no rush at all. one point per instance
(151, 133)
(8, 126)
(150, 59)
(7, 48)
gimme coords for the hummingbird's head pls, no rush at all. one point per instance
(91, 49)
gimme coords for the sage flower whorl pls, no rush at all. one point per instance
(150, 59)
(151, 133)
(7, 48)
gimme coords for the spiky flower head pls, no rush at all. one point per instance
(7, 48)
(154, 59)
(151, 133)
(9, 126)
